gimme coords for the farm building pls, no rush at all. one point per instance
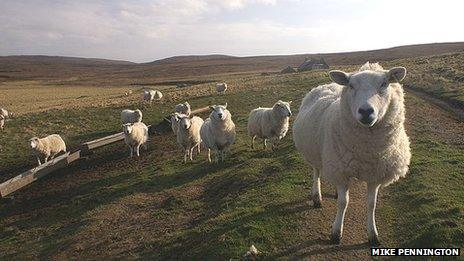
(288, 69)
(313, 64)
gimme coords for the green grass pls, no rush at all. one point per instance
(156, 207)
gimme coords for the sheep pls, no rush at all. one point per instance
(152, 95)
(130, 116)
(267, 123)
(47, 147)
(3, 115)
(129, 92)
(221, 87)
(183, 108)
(188, 134)
(2, 121)
(135, 135)
(218, 131)
(354, 128)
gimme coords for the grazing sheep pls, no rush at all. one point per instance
(354, 128)
(183, 108)
(221, 87)
(2, 121)
(135, 135)
(188, 134)
(152, 95)
(47, 147)
(267, 123)
(3, 115)
(130, 116)
(218, 132)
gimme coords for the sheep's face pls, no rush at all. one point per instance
(127, 128)
(283, 108)
(368, 92)
(219, 113)
(184, 122)
(33, 142)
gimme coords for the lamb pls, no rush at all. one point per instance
(268, 123)
(130, 116)
(183, 108)
(218, 131)
(135, 135)
(152, 95)
(188, 134)
(221, 87)
(47, 147)
(354, 128)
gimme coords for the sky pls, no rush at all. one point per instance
(147, 30)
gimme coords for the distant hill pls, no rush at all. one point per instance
(70, 70)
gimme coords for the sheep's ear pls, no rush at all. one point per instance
(396, 74)
(340, 77)
(212, 107)
(290, 102)
(225, 106)
(187, 104)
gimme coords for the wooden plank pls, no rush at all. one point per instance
(34, 174)
(103, 141)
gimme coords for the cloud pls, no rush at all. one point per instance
(143, 30)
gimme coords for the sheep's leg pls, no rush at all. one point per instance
(253, 142)
(137, 150)
(186, 152)
(131, 151)
(199, 148)
(372, 191)
(343, 199)
(316, 190)
(191, 153)
(46, 158)
(265, 144)
(38, 160)
(209, 155)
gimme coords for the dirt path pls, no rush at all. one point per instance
(423, 119)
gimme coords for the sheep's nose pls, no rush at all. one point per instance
(289, 114)
(366, 115)
(220, 115)
(366, 112)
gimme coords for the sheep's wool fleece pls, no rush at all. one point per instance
(139, 134)
(218, 135)
(330, 139)
(51, 144)
(191, 136)
(265, 124)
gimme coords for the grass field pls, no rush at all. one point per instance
(156, 207)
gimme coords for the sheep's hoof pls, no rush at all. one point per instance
(317, 204)
(374, 241)
(335, 239)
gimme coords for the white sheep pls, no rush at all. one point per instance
(269, 123)
(129, 92)
(131, 116)
(3, 115)
(4, 112)
(218, 131)
(188, 134)
(135, 135)
(354, 128)
(2, 121)
(221, 87)
(152, 95)
(47, 147)
(183, 108)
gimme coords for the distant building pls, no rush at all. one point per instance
(313, 64)
(288, 69)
